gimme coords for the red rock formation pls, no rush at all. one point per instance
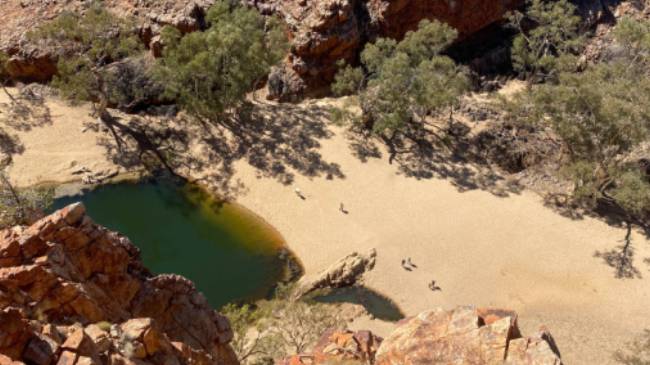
(330, 30)
(464, 335)
(338, 346)
(37, 62)
(74, 292)
(321, 31)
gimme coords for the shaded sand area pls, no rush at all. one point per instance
(482, 248)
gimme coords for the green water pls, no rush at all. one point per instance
(229, 253)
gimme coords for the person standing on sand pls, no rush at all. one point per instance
(410, 263)
(299, 193)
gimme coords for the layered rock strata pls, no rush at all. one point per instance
(73, 292)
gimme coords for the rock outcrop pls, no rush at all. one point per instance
(339, 346)
(326, 31)
(321, 32)
(31, 62)
(345, 272)
(465, 335)
(73, 292)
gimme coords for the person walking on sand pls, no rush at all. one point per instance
(299, 193)
(405, 266)
(410, 263)
(342, 209)
(433, 286)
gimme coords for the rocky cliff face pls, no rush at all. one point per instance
(321, 32)
(326, 31)
(465, 335)
(73, 292)
(37, 62)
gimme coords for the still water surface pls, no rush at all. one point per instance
(229, 252)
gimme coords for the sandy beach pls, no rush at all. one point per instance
(481, 248)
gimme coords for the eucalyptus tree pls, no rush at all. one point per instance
(399, 84)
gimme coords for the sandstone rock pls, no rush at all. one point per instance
(339, 347)
(321, 32)
(79, 343)
(6, 360)
(41, 350)
(67, 358)
(464, 335)
(345, 272)
(99, 337)
(67, 274)
(14, 333)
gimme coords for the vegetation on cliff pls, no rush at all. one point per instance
(602, 115)
(279, 327)
(400, 84)
(209, 73)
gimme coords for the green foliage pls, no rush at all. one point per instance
(634, 36)
(88, 42)
(278, 327)
(637, 353)
(428, 41)
(210, 72)
(245, 319)
(22, 206)
(348, 80)
(550, 43)
(104, 326)
(403, 82)
(602, 115)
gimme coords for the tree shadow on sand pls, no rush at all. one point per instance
(422, 152)
(278, 141)
(23, 111)
(621, 257)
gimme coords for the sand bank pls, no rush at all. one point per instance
(481, 248)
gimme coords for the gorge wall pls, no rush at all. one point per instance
(321, 32)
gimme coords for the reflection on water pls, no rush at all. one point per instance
(227, 251)
(376, 304)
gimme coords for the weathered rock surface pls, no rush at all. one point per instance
(326, 31)
(37, 62)
(73, 292)
(339, 346)
(345, 272)
(321, 32)
(465, 335)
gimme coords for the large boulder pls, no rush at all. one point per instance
(347, 271)
(465, 335)
(71, 290)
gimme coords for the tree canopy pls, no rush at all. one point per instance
(210, 72)
(602, 115)
(398, 83)
(89, 42)
(548, 38)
